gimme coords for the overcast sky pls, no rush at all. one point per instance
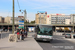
(32, 6)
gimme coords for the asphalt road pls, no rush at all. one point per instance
(57, 44)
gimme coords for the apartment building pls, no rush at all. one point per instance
(53, 19)
(7, 19)
(41, 18)
(60, 19)
(2, 19)
(17, 19)
(72, 18)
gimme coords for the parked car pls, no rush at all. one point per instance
(63, 34)
(67, 35)
(73, 36)
(1, 30)
(6, 30)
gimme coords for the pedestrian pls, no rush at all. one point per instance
(22, 34)
(25, 33)
(18, 34)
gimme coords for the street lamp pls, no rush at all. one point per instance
(24, 16)
(13, 19)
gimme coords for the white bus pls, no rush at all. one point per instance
(44, 32)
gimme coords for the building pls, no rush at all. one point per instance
(17, 19)
(41, 18)
(27, 20)
(72, 18)
(2, 19)
(60, 19)
(7, 19)
(48, 18)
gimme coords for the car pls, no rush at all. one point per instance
(67, 35)
(63, 34)
(5, 30)
(73, 36)
(1, 30)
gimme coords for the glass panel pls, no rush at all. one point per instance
(45, 30)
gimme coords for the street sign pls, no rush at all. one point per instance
(21, 24)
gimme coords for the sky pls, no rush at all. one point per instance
(32, 6)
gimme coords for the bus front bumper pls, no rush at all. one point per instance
(44, 39)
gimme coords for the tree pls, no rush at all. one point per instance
(32, 21)
(26, 21)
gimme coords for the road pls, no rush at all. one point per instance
(57, 44)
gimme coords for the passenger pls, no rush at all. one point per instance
(26, 33)
(18, 34)
(22, 34)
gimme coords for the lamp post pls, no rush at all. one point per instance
(24, 16)
(13, 19)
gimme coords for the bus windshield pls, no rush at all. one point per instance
(44, 30)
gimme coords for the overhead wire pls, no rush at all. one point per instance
(18, 4)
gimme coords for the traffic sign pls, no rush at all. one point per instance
(21, 24)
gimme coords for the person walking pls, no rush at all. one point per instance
(22, 34)
(18, 34)
(25, 33)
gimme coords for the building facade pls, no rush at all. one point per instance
(53, 19)
(17, 19)
(41, 18)
(60, 19)
(7, 19)
(72, 18)
(2, 19)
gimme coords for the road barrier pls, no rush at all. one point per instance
(4, 35)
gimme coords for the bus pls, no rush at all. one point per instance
(44, 32)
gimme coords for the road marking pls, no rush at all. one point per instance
(71, 40)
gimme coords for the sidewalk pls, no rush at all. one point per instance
(28, 44)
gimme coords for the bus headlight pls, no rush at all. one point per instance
(38, 36)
